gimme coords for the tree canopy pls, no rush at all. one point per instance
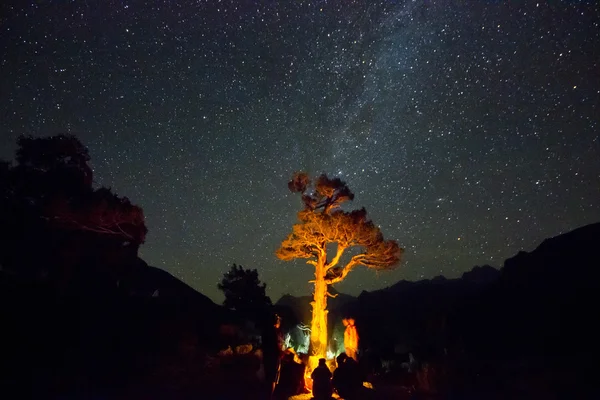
(244, 292)
(51, 213)
(52, 179)
(322, 222)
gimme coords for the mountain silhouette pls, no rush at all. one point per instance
(136, 330)
(534, 318)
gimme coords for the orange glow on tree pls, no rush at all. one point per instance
(322, 223)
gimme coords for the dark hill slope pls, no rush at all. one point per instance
(527, 328)
(146, 332)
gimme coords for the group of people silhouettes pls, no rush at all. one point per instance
(346, 379)
(285, 377)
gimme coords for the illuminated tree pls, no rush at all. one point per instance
(101, 212)
(322, 224)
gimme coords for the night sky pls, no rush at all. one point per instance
(469, 130)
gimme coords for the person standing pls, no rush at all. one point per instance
(272, 343)
(350, 338)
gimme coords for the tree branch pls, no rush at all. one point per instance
(97, 229)
(346, 270)
(336, 259)
(322, 252)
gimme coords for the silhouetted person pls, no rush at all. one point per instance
(355, 378)
(321, 377)
(340, 376)
(350, 338)
(291, 380)
(272, 340)
(347, 378)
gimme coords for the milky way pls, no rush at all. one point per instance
(469, 131)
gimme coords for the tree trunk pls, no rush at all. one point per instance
(318, 326)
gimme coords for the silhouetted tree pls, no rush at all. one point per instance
(51, 213)
(244, 291)
(60, 156)
(323, 223)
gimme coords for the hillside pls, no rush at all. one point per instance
(146, 332)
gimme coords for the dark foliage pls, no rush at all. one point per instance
(54, 221)
(244, 292)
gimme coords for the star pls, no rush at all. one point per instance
(447, 121)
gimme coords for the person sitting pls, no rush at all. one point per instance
(340, 376)
(321, 377)
(291, 380)
(347, 379)
(355, 378)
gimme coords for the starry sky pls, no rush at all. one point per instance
(468, 129)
